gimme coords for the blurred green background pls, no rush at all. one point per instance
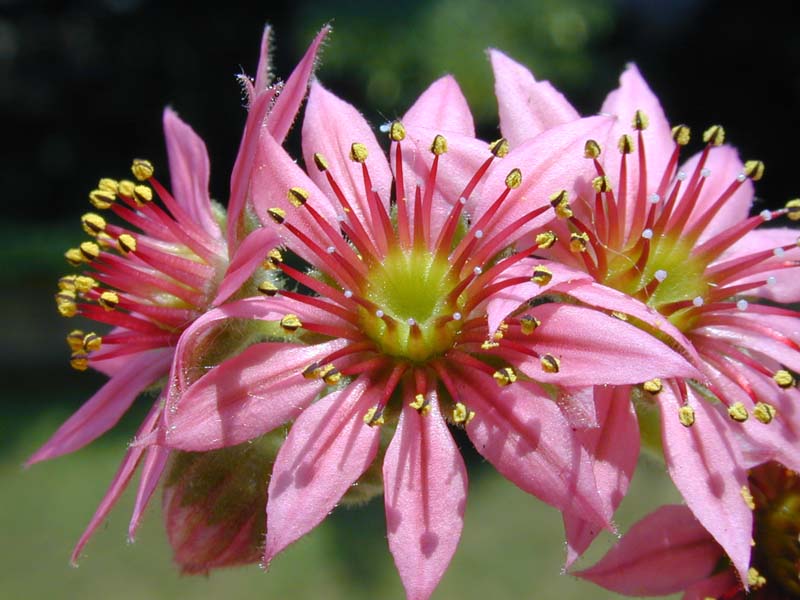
(84, 83)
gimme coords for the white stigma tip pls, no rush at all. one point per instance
(341, 218)
(698, 301)
(348, 294)
(379, 313)
(330, 249)
(741, 177)
(661, 275)
(411, 322)
(479, 234)
(681, 175)
(647, 234)
(462, 200)
(477, 270)
(779, 252)
(771, 280)
(742, 305)
(766, 215)
(456, 316)
(654, 198)
(384, 128)
(705, 172)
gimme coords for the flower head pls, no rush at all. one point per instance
(402, 320)
(154, 262)
(679, 239)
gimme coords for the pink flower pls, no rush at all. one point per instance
(156, 273)
(404, 319)
(669, 551)
(679, 239)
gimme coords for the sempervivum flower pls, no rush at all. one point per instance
(680, 240)
(669, 551)
(150, 276)
(402, 321)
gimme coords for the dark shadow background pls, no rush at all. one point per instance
(84, 84)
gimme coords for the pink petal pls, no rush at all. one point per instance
(661, 554)
(614, 447)
(291, 97)
(549, 163)
(724, 165)
(425, 488)
(594, 348)
(634, 94)
(704, 463)
(118, 484)
(714, 587)
(443, 108)
(189, 170)
(328, 448)
(527, 107)
(103, 410)
(749, 336)
(246, 396)
(524, 435)
(248, 256)
(264, 68)
(330, 128)
(155, 461)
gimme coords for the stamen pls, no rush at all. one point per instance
(686, 415)
(462, 415)
(126, 243)
(591, 149)
(793, 209)
(290, 323)
(714, 135)
(529, 324)
(550, 364)
(505, 376)
(681, 134)
(754, 169)
(297, 196)
(738, 412)
(79, 361)
(142, 169)
(640, 120)
(108, 300)
(784, 379)
(764, 412)
(499, 147)
(93, 223)
(102, 199)
(653, 386)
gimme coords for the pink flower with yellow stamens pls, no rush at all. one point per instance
(679, 239)
(151, 276)
(669, 551)
(402, 320)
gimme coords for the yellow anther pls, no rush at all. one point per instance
(126, 243)
(764, 412)
(105, 240)
(505, 376)
(397, 133)
(514, 179)
(686, 415)
(462, 415)
(291, 322)
(499, 147)
(67, 282)
(784, 379)
(142, 194)
(420, 404)
(489, 344)
(578, 241)
(102, 199)
(374, 417)
(542, 275)
(358, 152)
(65, 303)
(439, 145)
(546, 239)
(714, 135)
(681, 134)
(747, 497)
(591, 149)
(793, 209)
(75, 340)
(84, 283)
(640, 120)
(89, 250)
(312, 371)
(126, 188)
(755, 579)
(108, 185)
(601, 184)
(528, 324)
(625, 144)
(738, 412)
(93, 223)
(278, 215)
(274, 258)
(142, 169)
(267, 288)
(108, 300)
(619, 315)
(559, 198)
(550, 364)
(91, 342)
(320, 161)
(297, 196)
(653, 386)
(79, 361)
(754, 169)
(74, 256)
(330, 374)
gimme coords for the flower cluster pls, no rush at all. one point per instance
(542, 292)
